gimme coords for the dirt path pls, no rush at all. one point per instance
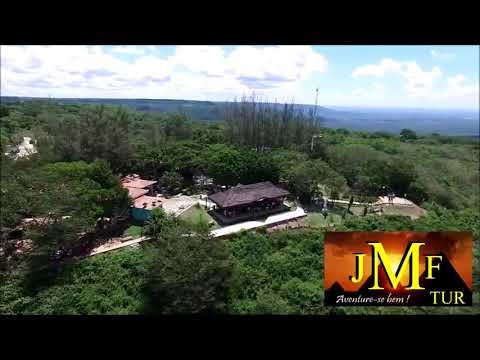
(113, 246)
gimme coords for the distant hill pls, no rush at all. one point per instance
(423, 121)
(199, 110)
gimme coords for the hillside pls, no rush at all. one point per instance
(423, 121)
(73, 179)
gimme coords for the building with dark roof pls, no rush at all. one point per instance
(246, 201)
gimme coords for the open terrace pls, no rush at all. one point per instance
(232, 216)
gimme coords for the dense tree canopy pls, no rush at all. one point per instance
(172, 182)
(189, 272)
(279, 274)
(100, 133)
(304, 179)
(228, 165)
(254, 134)
(263, 125)
(408, 134)
(66, 198)
(74, 180)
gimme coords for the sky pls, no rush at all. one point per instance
(437, 77)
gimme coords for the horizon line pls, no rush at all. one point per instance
(274, 102)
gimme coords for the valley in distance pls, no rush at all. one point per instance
(459, 122)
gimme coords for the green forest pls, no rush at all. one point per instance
(74, 180)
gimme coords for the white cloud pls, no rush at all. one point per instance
(457, 86)
(74, 70)
(213, 73)
(360, 92)
(385, 65)
(457, 92)
(279, 63)
(152, 66)
(263, 67)
(209, 60)
(378, 86)
(131, 50)
(438, 55)
(419, 82)
(90, 71)
(460, 91)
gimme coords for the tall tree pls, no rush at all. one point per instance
(312, 178)
(228, 165)
(263, 125)
(98, 133)
(408, 134)
(190, 272)
(66, 200)
(172, 181)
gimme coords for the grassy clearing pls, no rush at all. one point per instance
(134, 231)
(413, 212)
(196, 214)
(316, 220)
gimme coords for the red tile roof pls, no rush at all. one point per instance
(149, 200)
(137, 183)
(135, 193)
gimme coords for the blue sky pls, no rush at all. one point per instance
(373, 76)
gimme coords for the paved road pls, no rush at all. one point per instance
(227, 230)
(347, 202)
